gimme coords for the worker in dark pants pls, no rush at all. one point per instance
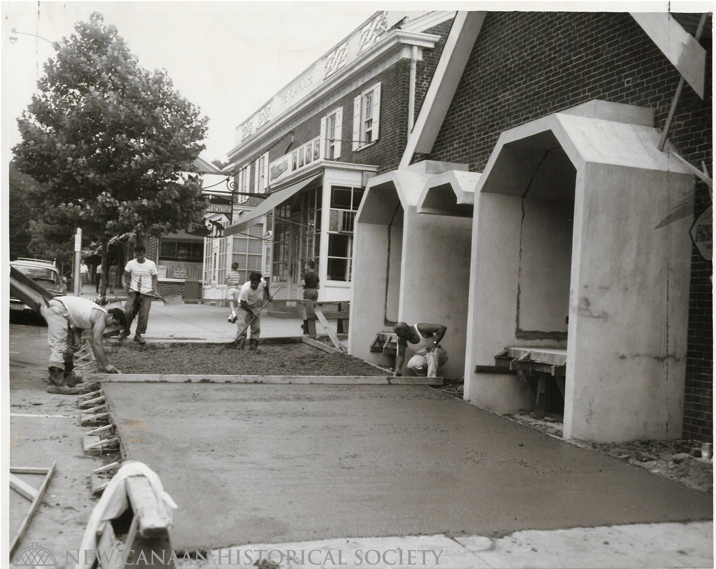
(311, 283)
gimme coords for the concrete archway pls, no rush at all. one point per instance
(569, 253)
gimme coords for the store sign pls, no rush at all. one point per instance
(343, 56)
(217, 208)
(294, 161)
(702, 234)
(179, 273)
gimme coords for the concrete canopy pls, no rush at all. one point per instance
(385, 192)
(451, 193)
(569, 252)
(520, 152)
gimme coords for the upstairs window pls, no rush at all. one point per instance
(331, 132)
(366, 117)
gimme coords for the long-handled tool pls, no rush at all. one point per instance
(246, 326)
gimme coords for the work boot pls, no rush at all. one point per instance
(139, 339)
(254, 346)
(57, 376)
(123, 335)
(240, 343)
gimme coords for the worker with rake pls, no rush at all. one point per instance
(67, 317)
(424, 341)
(249, 310)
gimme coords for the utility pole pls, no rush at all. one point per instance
(78, 261)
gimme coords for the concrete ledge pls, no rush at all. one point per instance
(266, 379)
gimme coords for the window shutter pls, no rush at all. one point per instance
(356, 122)
(376, 111)
(323, 138)
(266, 172)
(256, 176)
(339, 132)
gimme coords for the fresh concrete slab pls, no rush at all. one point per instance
(284, 463)
(268, 379)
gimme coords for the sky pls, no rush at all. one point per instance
(228, 58)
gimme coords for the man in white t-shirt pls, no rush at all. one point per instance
(251, 292)
(139, 281)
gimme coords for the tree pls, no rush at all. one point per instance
(24, 197)
(108, 141)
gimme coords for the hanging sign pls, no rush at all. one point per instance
(702, 234)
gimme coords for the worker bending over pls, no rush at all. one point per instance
(67, 317)
(249, 310)
(424, 341)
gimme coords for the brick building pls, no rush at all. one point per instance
(509, 89)
(302, 161)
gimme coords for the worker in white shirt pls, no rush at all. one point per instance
(139, 282)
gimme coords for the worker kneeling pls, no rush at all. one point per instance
(424, 341)
(67, 317)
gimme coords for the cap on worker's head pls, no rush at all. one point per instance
(400, 327)
(255, 277)
(140, 249)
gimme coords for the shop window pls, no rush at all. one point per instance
(366, 117)
(207, 261)
(279, 272)
(248, 251)
(223, 248)
(345, 202)
(178, 250)
(331, 132)
(242, 183)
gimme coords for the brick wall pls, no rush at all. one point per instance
(152, 245)
(528, 65)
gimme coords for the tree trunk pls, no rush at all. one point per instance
(105, 271)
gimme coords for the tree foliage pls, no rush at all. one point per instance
(24, 196)
(108, 141)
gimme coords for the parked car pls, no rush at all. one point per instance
(42, 272)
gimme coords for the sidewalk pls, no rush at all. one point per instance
(627, 546)
(199, 322)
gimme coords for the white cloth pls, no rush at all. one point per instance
(114, 501)
(250, 295)
(142, 274)
(84, 269)
(79, 310)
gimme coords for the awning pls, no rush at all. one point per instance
(271, 202)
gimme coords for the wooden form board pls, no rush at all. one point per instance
(270, 379)
(38, 495)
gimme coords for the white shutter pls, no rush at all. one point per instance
(323, 138)
(266, 173)
(376, 111)
(256, 176)
(356, 122)
(339, 132)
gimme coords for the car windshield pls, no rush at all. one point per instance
(39, 274)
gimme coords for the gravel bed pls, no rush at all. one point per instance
(284, 359)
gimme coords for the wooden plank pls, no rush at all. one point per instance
(99, 430)
(91, 402)
(274, 379)
(144, 504)
(22, 488)
(495, 369)
(33, 508)
(319, 345)
(335, 314)
(29, 470)
(329, 330)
